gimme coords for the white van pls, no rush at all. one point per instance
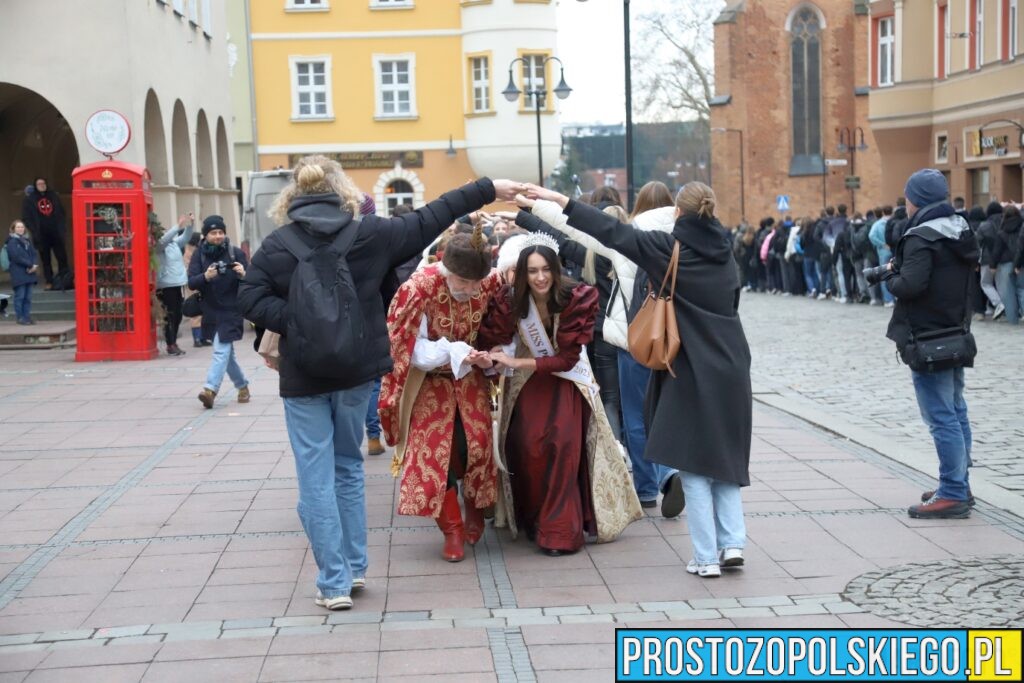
(264, 186)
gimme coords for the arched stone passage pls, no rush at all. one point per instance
(35, 141)
(181, 147)
(380, 189)
(206, 177)
(155, 141)
(224, 175)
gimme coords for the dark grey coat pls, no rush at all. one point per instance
(701, 420)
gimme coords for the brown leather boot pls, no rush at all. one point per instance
(450, 523)
(940, 508)
(374, 446)
(474, 522)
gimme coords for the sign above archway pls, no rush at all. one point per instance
(108, 132)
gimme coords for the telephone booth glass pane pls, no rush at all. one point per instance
(109, 260)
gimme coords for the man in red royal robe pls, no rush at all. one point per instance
(435, 405)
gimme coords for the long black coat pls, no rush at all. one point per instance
(221, 312)
(701, 420)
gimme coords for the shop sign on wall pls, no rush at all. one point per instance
(366, 160)
(987, 145)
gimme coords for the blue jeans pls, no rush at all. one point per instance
(326, 434)
(23, 301)
(372, 416)
(811, 275)
(884, 256)
(714, 515)
(940, 397)
(1006, 285)
(633, 378)
(224, 359)
(825, 277)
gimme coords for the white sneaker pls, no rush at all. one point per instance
(359, 583)
(1000, 309)
(889, 304)
(822, 296)
(338, 603)
(705, 571)
(731, 557)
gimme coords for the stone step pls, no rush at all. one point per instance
(45, 334)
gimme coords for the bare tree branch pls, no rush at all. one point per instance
(673, 62)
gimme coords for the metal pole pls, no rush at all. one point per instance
(743, 205)
(540, 151)
(629, 109)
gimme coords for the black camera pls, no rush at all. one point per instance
(222, 267)
(878, 274)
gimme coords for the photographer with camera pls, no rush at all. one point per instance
(214, 272)
(931, 276)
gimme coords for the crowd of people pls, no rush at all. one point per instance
(505, 384)
(825, 257)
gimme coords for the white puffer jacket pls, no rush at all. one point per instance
(616, 327)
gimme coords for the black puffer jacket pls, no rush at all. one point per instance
(382, 244)
(988, 235)
(934, 267)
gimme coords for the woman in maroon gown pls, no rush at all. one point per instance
(545, 443)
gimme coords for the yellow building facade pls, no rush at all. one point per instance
(404, 93)
(947, 91)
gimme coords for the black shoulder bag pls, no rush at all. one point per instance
(937, 350)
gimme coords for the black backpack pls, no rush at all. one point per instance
(326, 335)
(862, 240)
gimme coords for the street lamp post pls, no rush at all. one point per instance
(630, 191)
(539, 95)
(743, 208)
(848, 143)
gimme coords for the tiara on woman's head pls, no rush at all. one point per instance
(539, 239)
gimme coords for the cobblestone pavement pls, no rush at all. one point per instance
(145, 539)
(971, 592)
(835, 358)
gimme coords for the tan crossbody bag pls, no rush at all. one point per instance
(653, 334)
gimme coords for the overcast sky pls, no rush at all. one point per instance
(590, 44)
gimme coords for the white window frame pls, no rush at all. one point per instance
(306, 5)
(379, 88)
(293, 68)
(887, 47)
(1014, 18)
(392, 4)
(393, 199)
(979, 33)
(480, 85)
(529, 77)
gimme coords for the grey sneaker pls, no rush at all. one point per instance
(731, 557)
(705, 571)
(359, 583)
(338, 603)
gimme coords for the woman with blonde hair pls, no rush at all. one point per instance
(325, 403)
(700, 419)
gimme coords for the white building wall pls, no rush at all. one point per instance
(505, 145)
(84, 56)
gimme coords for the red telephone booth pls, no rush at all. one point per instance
(111, 202)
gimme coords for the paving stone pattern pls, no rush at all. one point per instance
(142, 538)
(837, 357)
(972, 592)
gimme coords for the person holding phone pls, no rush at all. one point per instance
(172, 274)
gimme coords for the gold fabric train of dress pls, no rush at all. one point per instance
(616, 505)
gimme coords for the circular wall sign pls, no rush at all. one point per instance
(108, 131)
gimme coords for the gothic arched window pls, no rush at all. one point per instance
(805, 60)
